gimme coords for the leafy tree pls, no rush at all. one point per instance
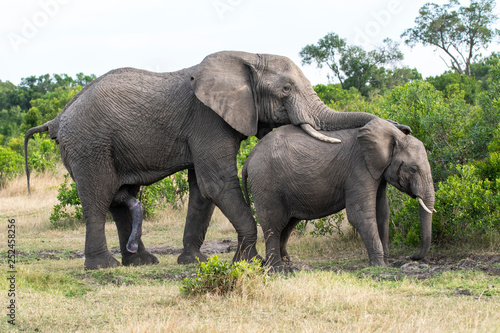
(459, 33)
(6, 91)
(10, 120)
(444, 125)
(10, 164)
(351, 64)
(327, 52)
(384, 79)
(48, 106)
(451, 82)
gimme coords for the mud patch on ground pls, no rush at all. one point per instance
(399, 267)
(209, 248)
(430, 266)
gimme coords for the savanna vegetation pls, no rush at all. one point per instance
(455, 114)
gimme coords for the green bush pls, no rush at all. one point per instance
(170, 190)
(69, 211)
(220, 277)
(10, 165)
(324, 226)
(42, 154)
(467, 205)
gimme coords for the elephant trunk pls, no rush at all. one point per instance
(321, 117)
(425, 213)
(330, 120)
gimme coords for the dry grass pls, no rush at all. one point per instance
(59, 296)
(307, 302)
(15, 202)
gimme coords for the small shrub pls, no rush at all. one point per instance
(467, 204)
(327, 225)
(42, 154)
(69, 211)
(170, 190)
(220, 277)
(468, 207)
(10, 165)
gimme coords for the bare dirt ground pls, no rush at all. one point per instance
(402, 266)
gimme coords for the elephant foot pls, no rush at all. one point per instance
(138, 259)
(276, 269)
(191, 257)
(105, 260)
(377, 262)
(248, 253)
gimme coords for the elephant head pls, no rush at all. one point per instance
(250, 91)
(402, 161)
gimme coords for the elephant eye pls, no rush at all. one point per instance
(413, 169)
(287, 88)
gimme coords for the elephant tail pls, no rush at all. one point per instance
(244, 184)
(29, 133)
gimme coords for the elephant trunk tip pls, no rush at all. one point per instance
(132, 247)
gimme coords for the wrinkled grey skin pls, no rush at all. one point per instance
(293, 177)
(132, 127)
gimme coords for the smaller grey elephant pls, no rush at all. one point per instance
(293, 177)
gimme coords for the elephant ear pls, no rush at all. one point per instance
(223, 83)
(378, 139)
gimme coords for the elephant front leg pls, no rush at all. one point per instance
(364, 219)
(383, 219)
(199, 213)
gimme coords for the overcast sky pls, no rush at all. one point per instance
(93, 37)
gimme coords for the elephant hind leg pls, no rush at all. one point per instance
(127, 213)
(96, 195)
(273, 257)
(285, 235)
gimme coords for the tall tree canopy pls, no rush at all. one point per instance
(459, 31)
(350, 64)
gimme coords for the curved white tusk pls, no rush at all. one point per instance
(421, 202)
(317, 135)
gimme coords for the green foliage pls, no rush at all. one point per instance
(351, 64)
(246, 147)
(42, 153)
(48, 106)
(170, 190)
(452, 83)
(69, 211)
(459, 32)
(468, 206)
(325, 226)
(220, 277)
(10, 165)
(444, 125)
(10, 121)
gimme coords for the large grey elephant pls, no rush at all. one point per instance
(293, 177)
(132, 127)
